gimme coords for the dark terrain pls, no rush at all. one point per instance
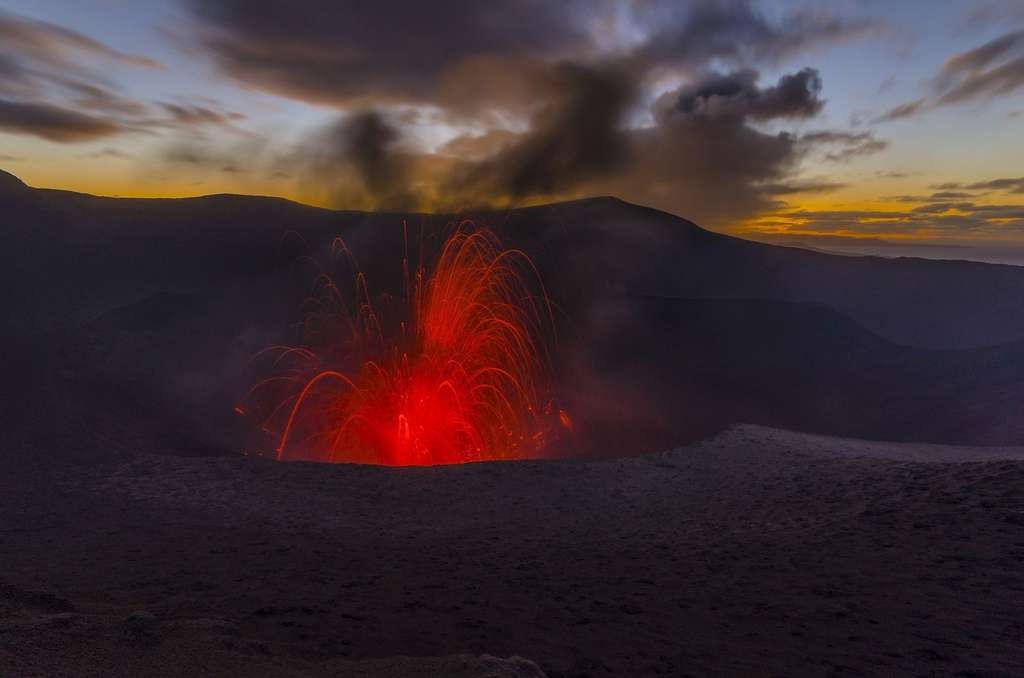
(164, 302)
(135, 539)
(758, 553)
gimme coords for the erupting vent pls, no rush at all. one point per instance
(463, 375)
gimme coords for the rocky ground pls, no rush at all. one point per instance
(758, 552)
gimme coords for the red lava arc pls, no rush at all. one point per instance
(463, 375)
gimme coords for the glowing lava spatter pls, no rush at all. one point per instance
(463, 377)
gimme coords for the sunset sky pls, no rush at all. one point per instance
(778, 119)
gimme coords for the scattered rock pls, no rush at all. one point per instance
(141, 628)
(513, 667)
(43, 600)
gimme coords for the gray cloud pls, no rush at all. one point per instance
(932, 220)
(844, 146)
(59, 46)
(323, 51)
(96, 98)
(451, 52)
(1006, 185)
(53, 123)
(950, 195)
(991, 70)
(999, 80)
(191, 115)
(1009, 185)
(692, 34)
(803, 187)
(903, 110)
(55, 84)
(110, 152)
(994, 12)
(979, 58)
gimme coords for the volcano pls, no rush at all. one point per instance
(161, 304)
(461, 375)
(753, 464)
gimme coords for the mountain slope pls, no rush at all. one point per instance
(79, 254)
(139, 317)
(697, 366)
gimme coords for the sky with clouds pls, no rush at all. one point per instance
(778, 119)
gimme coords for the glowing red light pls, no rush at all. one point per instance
(465, 377)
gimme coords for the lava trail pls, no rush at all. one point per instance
(460, 372)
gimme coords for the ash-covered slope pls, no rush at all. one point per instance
(698, 365)
(918, 302)
(138, 317)
(79, 255)
(757, 552)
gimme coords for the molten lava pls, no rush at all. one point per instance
(463, 375)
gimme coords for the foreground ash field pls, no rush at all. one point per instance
(681, 531)
(758, 552)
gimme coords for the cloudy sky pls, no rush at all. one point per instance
(898, 122)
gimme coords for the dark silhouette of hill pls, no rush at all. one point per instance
(81, 254)
(920, 302)
(797, 366)
(137, 317)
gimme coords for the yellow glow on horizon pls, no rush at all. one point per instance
(124, 179)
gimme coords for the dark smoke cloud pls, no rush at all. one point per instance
(705, 156)
(368, 142)
(400, 50)
(737, 95)
(548, 93)
(359, 160)
(578, 136)
(390, 50)
(708, 161)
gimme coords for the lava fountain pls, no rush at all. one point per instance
(460, 373)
